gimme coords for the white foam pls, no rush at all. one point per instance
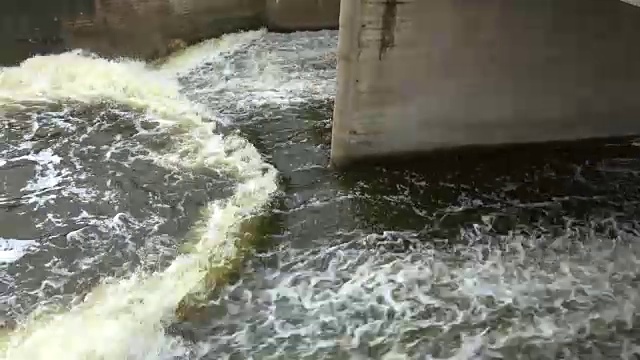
(267, 71)
(192, 57)
(74, 76)
(12, 249)
(462, 302)
(46, 175)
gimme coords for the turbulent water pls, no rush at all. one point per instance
(184, 210)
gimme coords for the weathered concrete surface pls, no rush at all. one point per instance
(145, 28)
(297, 15)
(149, 28)
(418, 75)
(132, 28)
(22, 28)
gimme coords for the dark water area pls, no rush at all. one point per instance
(542, 186)
(526, 252)
(534, 186)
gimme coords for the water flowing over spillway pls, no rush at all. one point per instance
(123, 318)
(184, 210)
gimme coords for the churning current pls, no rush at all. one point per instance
(184, 210)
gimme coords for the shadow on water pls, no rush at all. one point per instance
(522, 188)
(529, 187)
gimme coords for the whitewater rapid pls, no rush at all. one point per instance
(124, 318)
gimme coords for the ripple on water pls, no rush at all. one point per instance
(393, 293)
(459, 259)
(155, 165)
(464, 259)
(83, 183)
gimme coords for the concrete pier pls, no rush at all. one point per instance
(417, 75)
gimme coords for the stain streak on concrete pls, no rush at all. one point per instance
(389, 18)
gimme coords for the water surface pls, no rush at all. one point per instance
(185, 211)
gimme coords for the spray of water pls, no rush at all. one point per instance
(124, 318)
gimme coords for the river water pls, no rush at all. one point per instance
(185, 210)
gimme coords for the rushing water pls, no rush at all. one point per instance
(184, 210)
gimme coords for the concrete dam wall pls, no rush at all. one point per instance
(297, 15)
(418, 75)
(145, 28)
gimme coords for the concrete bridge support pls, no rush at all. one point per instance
(418, 75)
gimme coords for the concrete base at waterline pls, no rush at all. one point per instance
(418, 75)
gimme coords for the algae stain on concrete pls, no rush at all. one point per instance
(389, 19)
